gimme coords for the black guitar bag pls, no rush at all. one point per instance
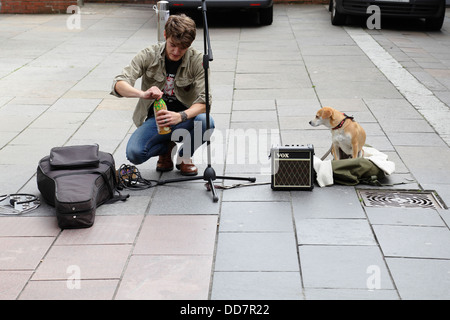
(76, 180)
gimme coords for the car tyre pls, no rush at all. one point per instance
(435, 24)
(266, 16)
(337, 18)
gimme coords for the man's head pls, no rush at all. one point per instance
(179, 32)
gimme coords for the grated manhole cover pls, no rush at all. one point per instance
(401, 198)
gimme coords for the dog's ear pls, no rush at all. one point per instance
(326, 113)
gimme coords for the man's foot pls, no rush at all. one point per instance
(187, 168)
(165, 162)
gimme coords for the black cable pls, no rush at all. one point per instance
(129, 177)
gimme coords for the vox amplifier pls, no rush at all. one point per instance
(292, 167)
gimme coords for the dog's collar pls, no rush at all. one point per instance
(343, 121)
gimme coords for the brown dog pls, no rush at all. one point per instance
(347, 135)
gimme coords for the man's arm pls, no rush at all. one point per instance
(166, 117)
(195, 110)
(126, 90)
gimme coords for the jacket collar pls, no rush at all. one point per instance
(161, 49)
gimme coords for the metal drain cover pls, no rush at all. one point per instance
(401, 198)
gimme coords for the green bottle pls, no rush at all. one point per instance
(161, 105)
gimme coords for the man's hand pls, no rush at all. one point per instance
(152, 93)
(167, 118)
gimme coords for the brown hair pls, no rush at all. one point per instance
(181, 29)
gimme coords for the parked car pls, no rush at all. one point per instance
(433, 11)
(264, 7)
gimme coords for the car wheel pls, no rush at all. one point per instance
(266, 16)
(337, 18)
(435, 24)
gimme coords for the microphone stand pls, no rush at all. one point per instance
(209, 175)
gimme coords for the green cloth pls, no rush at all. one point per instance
(351, 172)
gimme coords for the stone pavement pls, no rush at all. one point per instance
(172, 241)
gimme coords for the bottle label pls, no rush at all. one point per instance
(161, 105)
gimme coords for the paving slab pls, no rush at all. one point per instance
(311, 204)
(108, 263)
(344, 267)
(13, 282)
(115, 229)
(257, 286)
(177, 235)
(262, 251)
(14, 226)
(256, 217)
(420, 279)
(428, 163)
(67, 290)
(334, 232)
(350, 294)
(413, 241)
(163, 203)
(259, 192)
(166, 278)
(404, 216)
(23, 253)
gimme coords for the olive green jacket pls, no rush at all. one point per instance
(149, 63)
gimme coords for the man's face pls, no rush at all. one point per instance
(174, 51)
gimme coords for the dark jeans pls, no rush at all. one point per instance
(145, 142)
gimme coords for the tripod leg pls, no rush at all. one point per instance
(161, 182)
(213, 190)
(237, 178)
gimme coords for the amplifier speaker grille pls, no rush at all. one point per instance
(292, 168)
(293, 173)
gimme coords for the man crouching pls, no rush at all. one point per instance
(171, 71)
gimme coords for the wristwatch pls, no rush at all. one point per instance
(183, 116)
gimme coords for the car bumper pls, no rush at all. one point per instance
(220, 4)
(411, 8)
